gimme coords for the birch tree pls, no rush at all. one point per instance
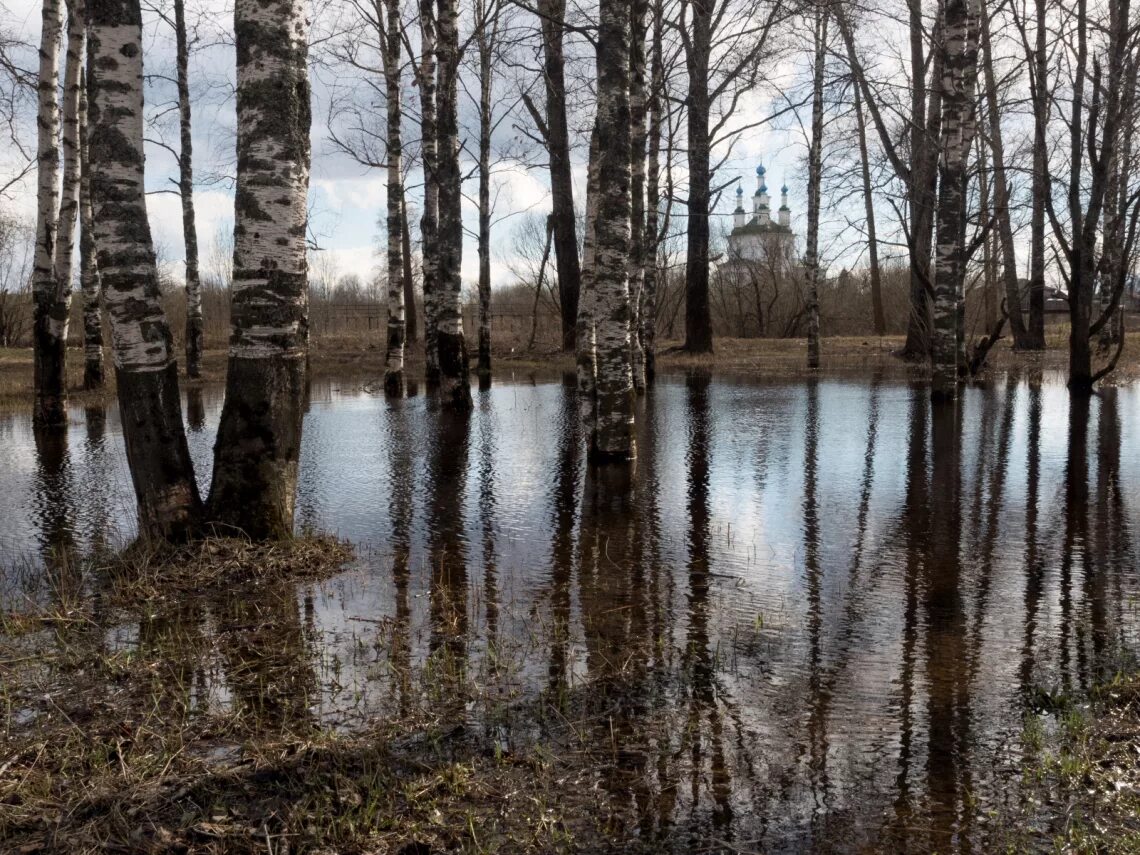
(1021, 337)
(186, 194)
(960, 27)
(815, 169)
(145, 369)
(392, 60)
(612, 438)
(552, 125)
(72, 160)
(647, 304)
(878, 314)
(93, 374)
(487, 15)
(1037, 60)
(259, 437)
(451, 346)
(429, 220)
(585, 334)
(51, 309)
(637, 161)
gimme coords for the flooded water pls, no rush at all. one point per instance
(813, 618)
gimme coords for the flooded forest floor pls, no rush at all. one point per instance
(187, 701)
(116, 748)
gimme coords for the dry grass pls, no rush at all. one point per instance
(358, 357)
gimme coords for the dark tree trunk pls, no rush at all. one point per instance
(637, 239)
(186, 191)
(878, 315)
(815, 170)
(145, 369)
(1001, 198)
(411, 324)
(429, 220)
(698, 317)
(259, 436)
(1035, 338)
(88, 269)
(552, 14)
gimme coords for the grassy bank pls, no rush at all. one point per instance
(353, 357)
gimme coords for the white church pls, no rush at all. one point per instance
(753, 238)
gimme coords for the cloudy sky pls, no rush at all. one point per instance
(347, 198)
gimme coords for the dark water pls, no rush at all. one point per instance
(814, 617)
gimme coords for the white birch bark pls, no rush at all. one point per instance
(161, 469)
(259, 436)
(391, 54)
(613, 424)
(429, 220)
(584, 335)
(72, 162)
(451, 345)
(958, 82)
(50, 317)
(93, 372)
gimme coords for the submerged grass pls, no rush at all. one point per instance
(1080, 782)
(198, 731)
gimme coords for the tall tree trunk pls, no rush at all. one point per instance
(585, 335)
(638, 134)
(73, 96)
(1035, 339)
(411, 326)
(553, 15)
(394, 358)
(920, 189)
(454, 387)
(1089, 177)
(647, 306)
(538, 285)
(878, 315)
(815, 170)
(989, 260)
(698, 318)
(612, 438)
(145, 369)
(429, 220)
(488, 24)
(1001, 197)
(920, 174)
(186, 192)
(259, 436)
(51, 309)
(88, 269)
(959, 48)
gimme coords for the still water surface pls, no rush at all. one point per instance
(815, 616)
